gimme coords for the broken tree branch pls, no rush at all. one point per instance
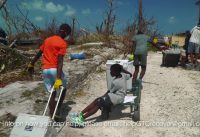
(26, 19)
(3, 2)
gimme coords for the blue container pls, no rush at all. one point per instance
(80, 55)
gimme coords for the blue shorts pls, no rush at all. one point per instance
(140, 60)
(49, 77)
(193, 48)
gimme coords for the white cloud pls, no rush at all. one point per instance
(36, 4)
(70, 11)
(41, 5)
(172, 20)
(51, 7)
(39, 18)
(86, 11)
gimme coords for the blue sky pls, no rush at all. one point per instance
(172, 16)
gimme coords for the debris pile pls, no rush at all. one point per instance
(13, 64)
(11, 59)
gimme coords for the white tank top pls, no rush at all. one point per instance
(195, 35)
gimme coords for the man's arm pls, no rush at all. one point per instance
(59, 81)
(127, 72)
(30, 66)
(38, 55)
(60, 66)
(108, 91)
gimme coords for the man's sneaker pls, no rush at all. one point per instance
(78, 121)
(81, 115)
(73, 114)
(140, 83)
(58, 118)
(189, 66)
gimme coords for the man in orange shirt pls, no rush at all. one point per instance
(52, 51)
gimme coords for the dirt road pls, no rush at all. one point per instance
(170, 106)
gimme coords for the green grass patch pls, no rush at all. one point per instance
(27, 94)
(37, 92)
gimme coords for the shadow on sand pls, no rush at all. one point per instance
(115, 114)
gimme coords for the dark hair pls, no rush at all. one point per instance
(66, 28)
(187, 32)
(117, 68)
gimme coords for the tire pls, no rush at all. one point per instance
(131, 108)
(136, 115)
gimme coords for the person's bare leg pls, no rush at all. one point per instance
(187, 60)
(143, 71)
(196, 57)
(62, 98)
(90, 106)
(192, 58)
(91, 112)
(52, 103)
(135, 74)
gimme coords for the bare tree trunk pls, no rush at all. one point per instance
(2, 3)
(110, 18)
(26, 20)
(112, 26)
(73, 29)
(101, 27)
(140, 20)
(107, 26)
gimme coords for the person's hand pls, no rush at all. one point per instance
(57, 83)
(30, 68)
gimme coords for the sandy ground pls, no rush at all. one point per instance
(170, 106)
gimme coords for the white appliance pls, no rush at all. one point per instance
(27, 125)
(127, 65)
(33, 126)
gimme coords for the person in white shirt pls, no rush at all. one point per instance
(194, 44)
(115, 95)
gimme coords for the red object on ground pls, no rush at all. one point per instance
(160, 46)
(2, 85)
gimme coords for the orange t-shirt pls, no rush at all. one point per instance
(51, 47)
